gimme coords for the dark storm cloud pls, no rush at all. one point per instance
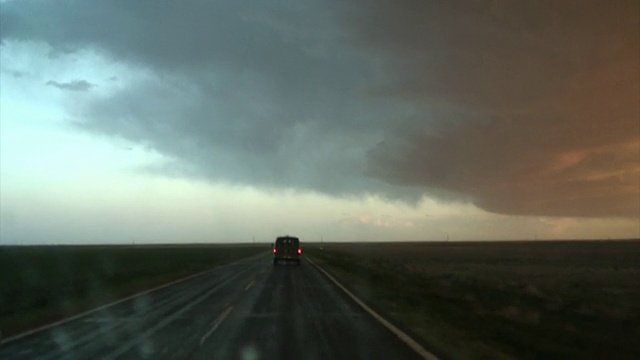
(537, 103)
(526, 108)
(76, 85)
(246, 92)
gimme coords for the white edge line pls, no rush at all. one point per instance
(216, 323)
(77, 316)
(414, 345)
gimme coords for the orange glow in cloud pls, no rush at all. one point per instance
(537, 104)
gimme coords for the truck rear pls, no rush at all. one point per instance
(287, 248)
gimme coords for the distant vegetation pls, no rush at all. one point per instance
(40, 284)
(537, 300)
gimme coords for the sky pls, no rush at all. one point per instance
(219, 121)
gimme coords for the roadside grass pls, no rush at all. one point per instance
(42, 284)
(524, 300)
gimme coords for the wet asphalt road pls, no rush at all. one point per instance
(247, 310)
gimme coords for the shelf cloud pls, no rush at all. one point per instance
(523, 108)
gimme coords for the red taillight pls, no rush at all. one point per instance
(299, 250)
(275, 250)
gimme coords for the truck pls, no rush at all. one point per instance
(286, 248)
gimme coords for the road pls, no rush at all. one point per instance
(250, 309)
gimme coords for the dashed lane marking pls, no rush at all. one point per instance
(216, 323)
(250, 285)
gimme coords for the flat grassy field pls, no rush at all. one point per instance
(41, 284)
(493, 300)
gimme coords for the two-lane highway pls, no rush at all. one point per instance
(247, 310)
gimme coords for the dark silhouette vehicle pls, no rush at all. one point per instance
(287, 248)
